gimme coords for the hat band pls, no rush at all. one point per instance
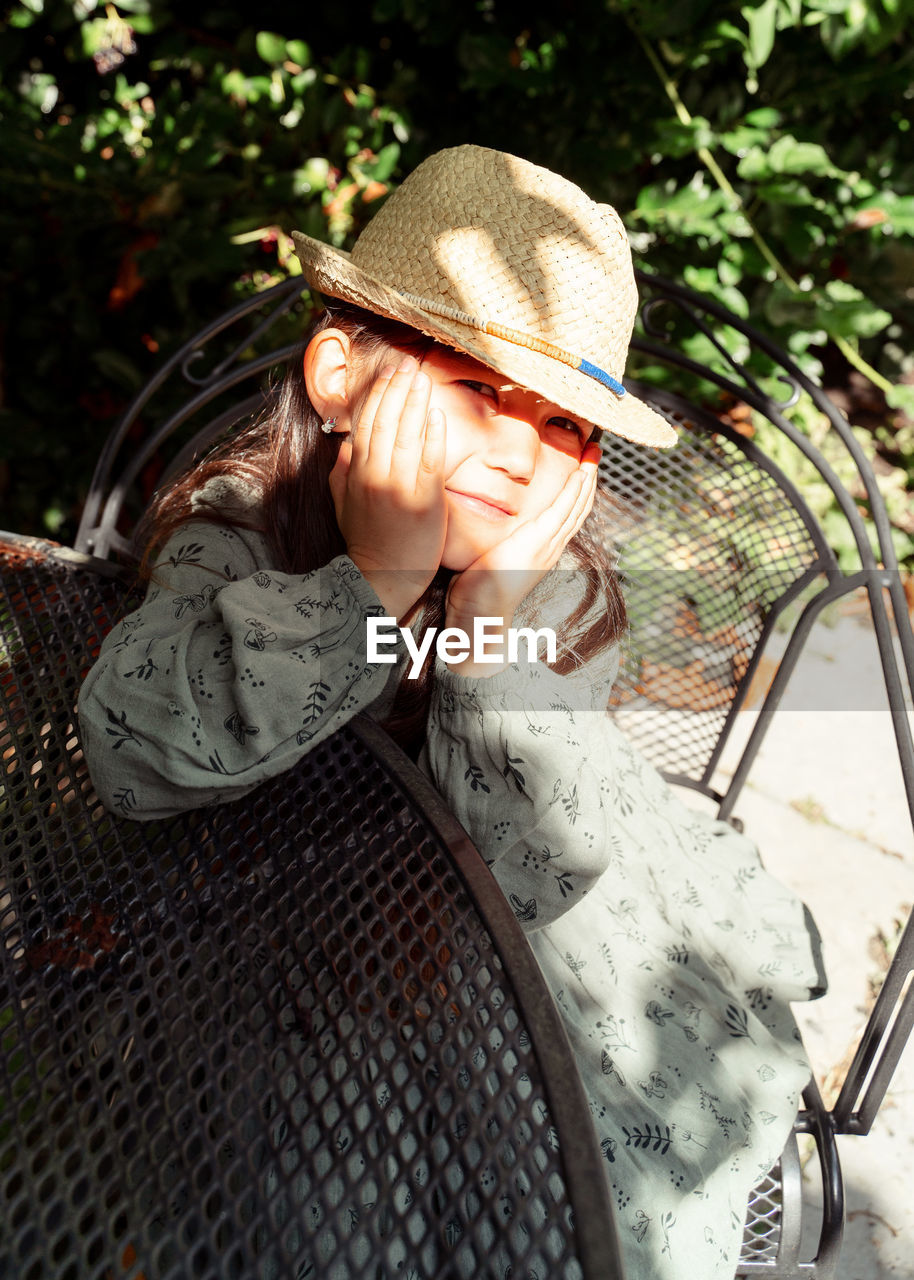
(519, 338)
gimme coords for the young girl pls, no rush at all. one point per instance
(433, 460)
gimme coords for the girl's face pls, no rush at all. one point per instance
(509, 453)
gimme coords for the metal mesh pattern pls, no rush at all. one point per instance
(762, 1232)
(269, 1039)
(708, 543)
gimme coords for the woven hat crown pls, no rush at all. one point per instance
(512, 264)
(499, 238)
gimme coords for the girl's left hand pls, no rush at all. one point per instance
(495, 584)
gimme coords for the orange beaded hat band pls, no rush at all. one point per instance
(512, 264)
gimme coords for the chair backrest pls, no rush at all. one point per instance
(217, 380)
(715, 541)
(275, 1037)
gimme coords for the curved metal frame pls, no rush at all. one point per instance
(587, 1185)
(97, 533)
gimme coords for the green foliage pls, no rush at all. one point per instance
(155, 157)
(893, 481)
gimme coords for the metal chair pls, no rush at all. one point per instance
(183, 427)
(716, 542)
(296, 1035)
(747, 546)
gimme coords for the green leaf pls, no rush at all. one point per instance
(789, 14)
(834, 7)
(729, 31)
(733, 299)
(789, 155)
(754, 165)
(800, 340)
(385, 162)
(783, 308)
(739, 140)
(674, 139)
(762, 21)
(901, 397)
(53, 518)
(118, 369)
(899, 210)
(233, 83)
(271, 47)
(312, 176)
(733, 222)
(298, 52)
(790, 193)
(703, 279)
(763, 118)
(23, 17)
(729, 272)
(845, 312)
(651, 202)
(40, 89)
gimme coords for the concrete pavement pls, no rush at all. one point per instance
(826, 806)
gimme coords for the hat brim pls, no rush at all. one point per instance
(331, 271)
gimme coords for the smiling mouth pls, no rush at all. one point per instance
(486, 507)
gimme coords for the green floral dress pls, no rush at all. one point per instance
(671, 953)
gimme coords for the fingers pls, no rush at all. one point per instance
(579, 511)
(388, 482)
(404, 440)
(431, 459)
(561, 521)
(392, 421)
(361, 436)
(586, 494)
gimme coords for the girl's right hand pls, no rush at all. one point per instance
(388, 487)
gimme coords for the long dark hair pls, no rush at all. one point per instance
(284, 456)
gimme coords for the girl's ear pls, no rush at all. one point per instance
(328, 373)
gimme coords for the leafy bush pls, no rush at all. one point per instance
(156, 156)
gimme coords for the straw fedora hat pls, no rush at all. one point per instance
(512, 264)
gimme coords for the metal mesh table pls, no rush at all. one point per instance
(299, 1035)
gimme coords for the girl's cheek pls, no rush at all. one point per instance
(564, 466)
(568, 446)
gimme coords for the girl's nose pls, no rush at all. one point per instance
(513, 446)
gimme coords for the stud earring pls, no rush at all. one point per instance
(328, 426)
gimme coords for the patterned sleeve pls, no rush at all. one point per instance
(517, 757)
(226, 675)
